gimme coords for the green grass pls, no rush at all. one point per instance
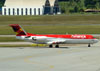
(54, 29)
(9, 39)
(16, 46)
(60, 24)
(59, 19)
(63, 29)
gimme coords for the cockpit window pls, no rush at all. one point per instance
(28, 37)
(94, 37)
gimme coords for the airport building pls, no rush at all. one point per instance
(30, 7)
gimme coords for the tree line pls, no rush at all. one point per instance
(72, 6)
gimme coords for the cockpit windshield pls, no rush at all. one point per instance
(94, 37)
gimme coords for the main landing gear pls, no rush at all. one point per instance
(51, 46)
(56, 46)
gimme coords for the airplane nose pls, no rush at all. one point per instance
(96, 40)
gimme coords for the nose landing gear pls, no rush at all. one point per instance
(89, 45)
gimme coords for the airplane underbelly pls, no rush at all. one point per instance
(40, 41)
(80, 41)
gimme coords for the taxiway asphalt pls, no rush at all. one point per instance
(71, 58)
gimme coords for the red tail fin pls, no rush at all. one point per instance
(17, 28)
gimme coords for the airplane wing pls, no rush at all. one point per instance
(56, 41)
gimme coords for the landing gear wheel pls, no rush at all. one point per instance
(50, 46)
(57, 46)
(89, 45)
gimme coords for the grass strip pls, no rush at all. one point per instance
(9, 39)
(60, 24)
(58, 19)
(54, 29)
(16, 46)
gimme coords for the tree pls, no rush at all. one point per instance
(2, 2)
(90, 3)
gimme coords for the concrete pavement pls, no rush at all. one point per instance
(73, 58)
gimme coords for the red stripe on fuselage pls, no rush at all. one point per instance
(62, 36)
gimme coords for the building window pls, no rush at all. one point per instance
(30, 11)
(4, 11)
(39, 11)
(34, 11)
(47, 7)
(13, 11)
(56, 8)
(47, 10)
(17, 11)
(26, 11)
(22, 11)
(9, 11)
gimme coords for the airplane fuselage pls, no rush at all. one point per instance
(73, 39)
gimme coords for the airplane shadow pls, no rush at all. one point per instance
(45, 47)
(57, 48)
(64, 47)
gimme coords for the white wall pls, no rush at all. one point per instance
(24, 3)
(22, 11)
(18, 7)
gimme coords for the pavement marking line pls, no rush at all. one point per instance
(50, 66)
(59, 51)
(10, 59)
(26, 59)
(34, 62)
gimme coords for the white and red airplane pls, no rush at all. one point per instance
(52, 39)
